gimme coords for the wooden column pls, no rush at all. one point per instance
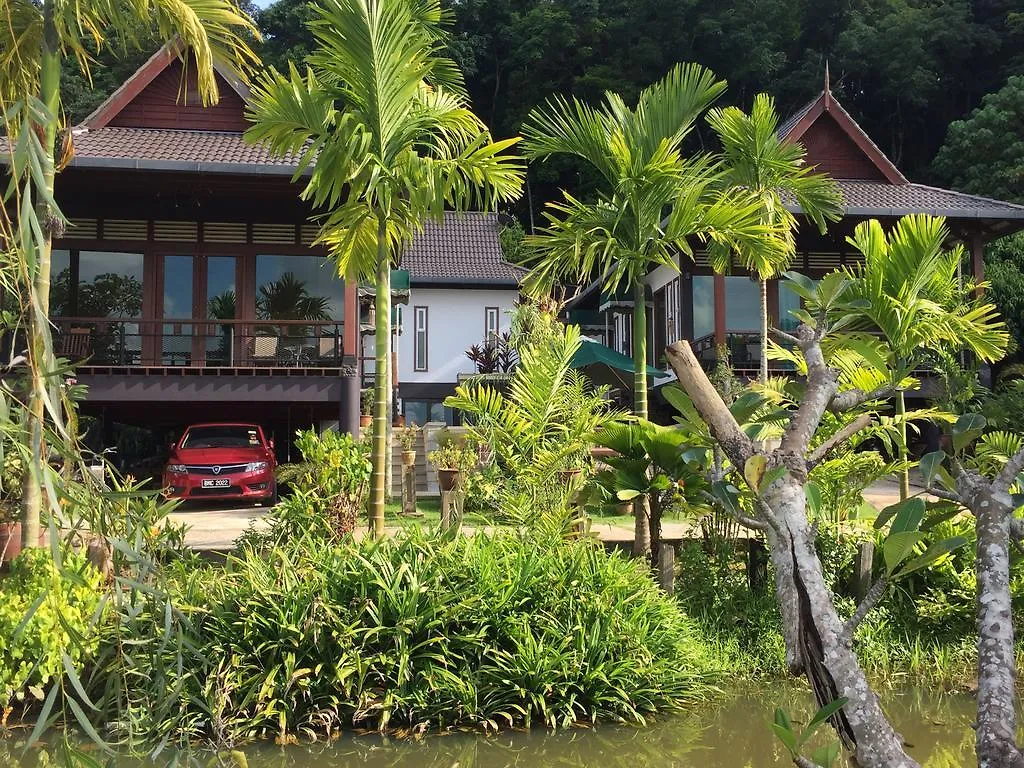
(350, 329)
(719, 309)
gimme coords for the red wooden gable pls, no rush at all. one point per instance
(832, 151)
(163, 93)
(837, 145)
(170, 102)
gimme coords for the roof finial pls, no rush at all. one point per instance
(828, 88)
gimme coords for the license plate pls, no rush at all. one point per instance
(222, 482)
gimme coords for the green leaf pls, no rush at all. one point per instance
(627, 494)
(822, 715)
(753, 470)
(726, 493)
(826, 756)
(813, 494)
(930, 464)
(786, 736)
(935, 552)
(772, 475)
(897, 547)
(86, 725)
(43, 720)
(801, 285)
(909, 509)
(966, 429)
(76, 683)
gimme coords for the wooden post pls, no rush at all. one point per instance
(757, 565)
(446, 510)
(667, 567)
(862, 569)
(408, 489)
(720, 309)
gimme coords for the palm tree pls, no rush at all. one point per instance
(37, 39)
(651, 200)
(909, 291)
(382, 119)
(757, 159)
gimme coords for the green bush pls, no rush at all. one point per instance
(31, 652)
(419, 633)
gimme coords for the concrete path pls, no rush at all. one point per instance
(218, 528)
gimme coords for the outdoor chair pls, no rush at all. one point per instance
(75, 343)
(264, 350)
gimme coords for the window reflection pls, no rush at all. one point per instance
(109, 284)
(298, 288)
(742, 304)
(703, 306)
(60, 283)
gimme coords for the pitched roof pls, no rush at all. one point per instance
(465, 249)
(169, 149)
(878, 198)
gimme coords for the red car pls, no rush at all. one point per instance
(222, 461)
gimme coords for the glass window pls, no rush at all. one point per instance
(491, 322)
(109, 284)
(420, 338)
(703, 306)
(298, 288)
(60, 283)
(788, 301)
(419, 412)
(178, 287)
(742, 304)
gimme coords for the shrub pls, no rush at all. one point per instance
(31, 654)
(420, 633)
(329, 487)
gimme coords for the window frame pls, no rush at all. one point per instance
(420, 313)
(489, 332)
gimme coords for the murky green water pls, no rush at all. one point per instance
(730, 732)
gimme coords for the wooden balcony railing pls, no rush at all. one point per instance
(171, 342)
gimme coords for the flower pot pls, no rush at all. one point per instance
(447, 479)
(624, 508)
(365, 421)
(399, 421)
(569, 476)
(408, 458)
(10, 542)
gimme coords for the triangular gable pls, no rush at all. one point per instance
(150, 98)
(836, 144)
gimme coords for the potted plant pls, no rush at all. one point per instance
(366, 407)
(10, 506)
(408, 437)
(574, 464)
(452, 460)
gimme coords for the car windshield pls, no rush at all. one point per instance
(222, 437)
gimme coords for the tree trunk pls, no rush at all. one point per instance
(381, 381)
(763, 373)
(641, 506)
(831, 665)
(997, 722)
(782, 562)
(901, 410)
(40, 344)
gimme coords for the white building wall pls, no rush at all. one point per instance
(455, 321)
(660, 276)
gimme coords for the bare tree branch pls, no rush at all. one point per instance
(851, 398)
(818, 454)
(746, 522)
(709, 404)
(1017, 529)
(870, 601)
(783, 336)
(945, 495)
(1008, 476)
(821, 386)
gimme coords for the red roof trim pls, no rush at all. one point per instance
(826, 102)
(146, 74)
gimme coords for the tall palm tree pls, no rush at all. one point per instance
(652, 199)
(381, 118)
(757, 159)
(909, 290)
(37, 39)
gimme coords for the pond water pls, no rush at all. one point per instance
(729, 732)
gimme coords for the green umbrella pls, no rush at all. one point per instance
(606, 366)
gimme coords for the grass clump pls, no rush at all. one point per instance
(421, 633)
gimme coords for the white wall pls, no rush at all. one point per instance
(455, 321)
(659, 276)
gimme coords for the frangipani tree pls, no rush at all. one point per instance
(758, 160)
(381, 122)
(652, 202)
(909, 291)
(38, 38)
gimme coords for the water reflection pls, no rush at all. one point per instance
(730, 732)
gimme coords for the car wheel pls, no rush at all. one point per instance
(274, 497)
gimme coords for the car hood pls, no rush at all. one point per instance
(220, 455)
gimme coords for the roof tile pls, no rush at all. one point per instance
(879, 198)
(465, 249)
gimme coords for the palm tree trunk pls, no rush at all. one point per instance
(40, 345)
(641, 506)
(901, 410)
(381, 381)
(763, 373)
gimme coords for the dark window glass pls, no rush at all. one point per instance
(222, 436)
(298, 288)
(109, 284)
(703, 306)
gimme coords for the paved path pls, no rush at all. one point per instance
(217, 529)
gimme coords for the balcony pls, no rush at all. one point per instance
(215, 347)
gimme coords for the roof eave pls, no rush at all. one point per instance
(187, 166)
(465, 282)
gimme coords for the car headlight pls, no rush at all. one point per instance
(256, 466)
(177, 469)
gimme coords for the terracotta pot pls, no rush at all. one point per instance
(10, 542)
(447, 479)
(569, 476)
(408, 458)
(624, 508)
(365, 421)
(399, 421)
